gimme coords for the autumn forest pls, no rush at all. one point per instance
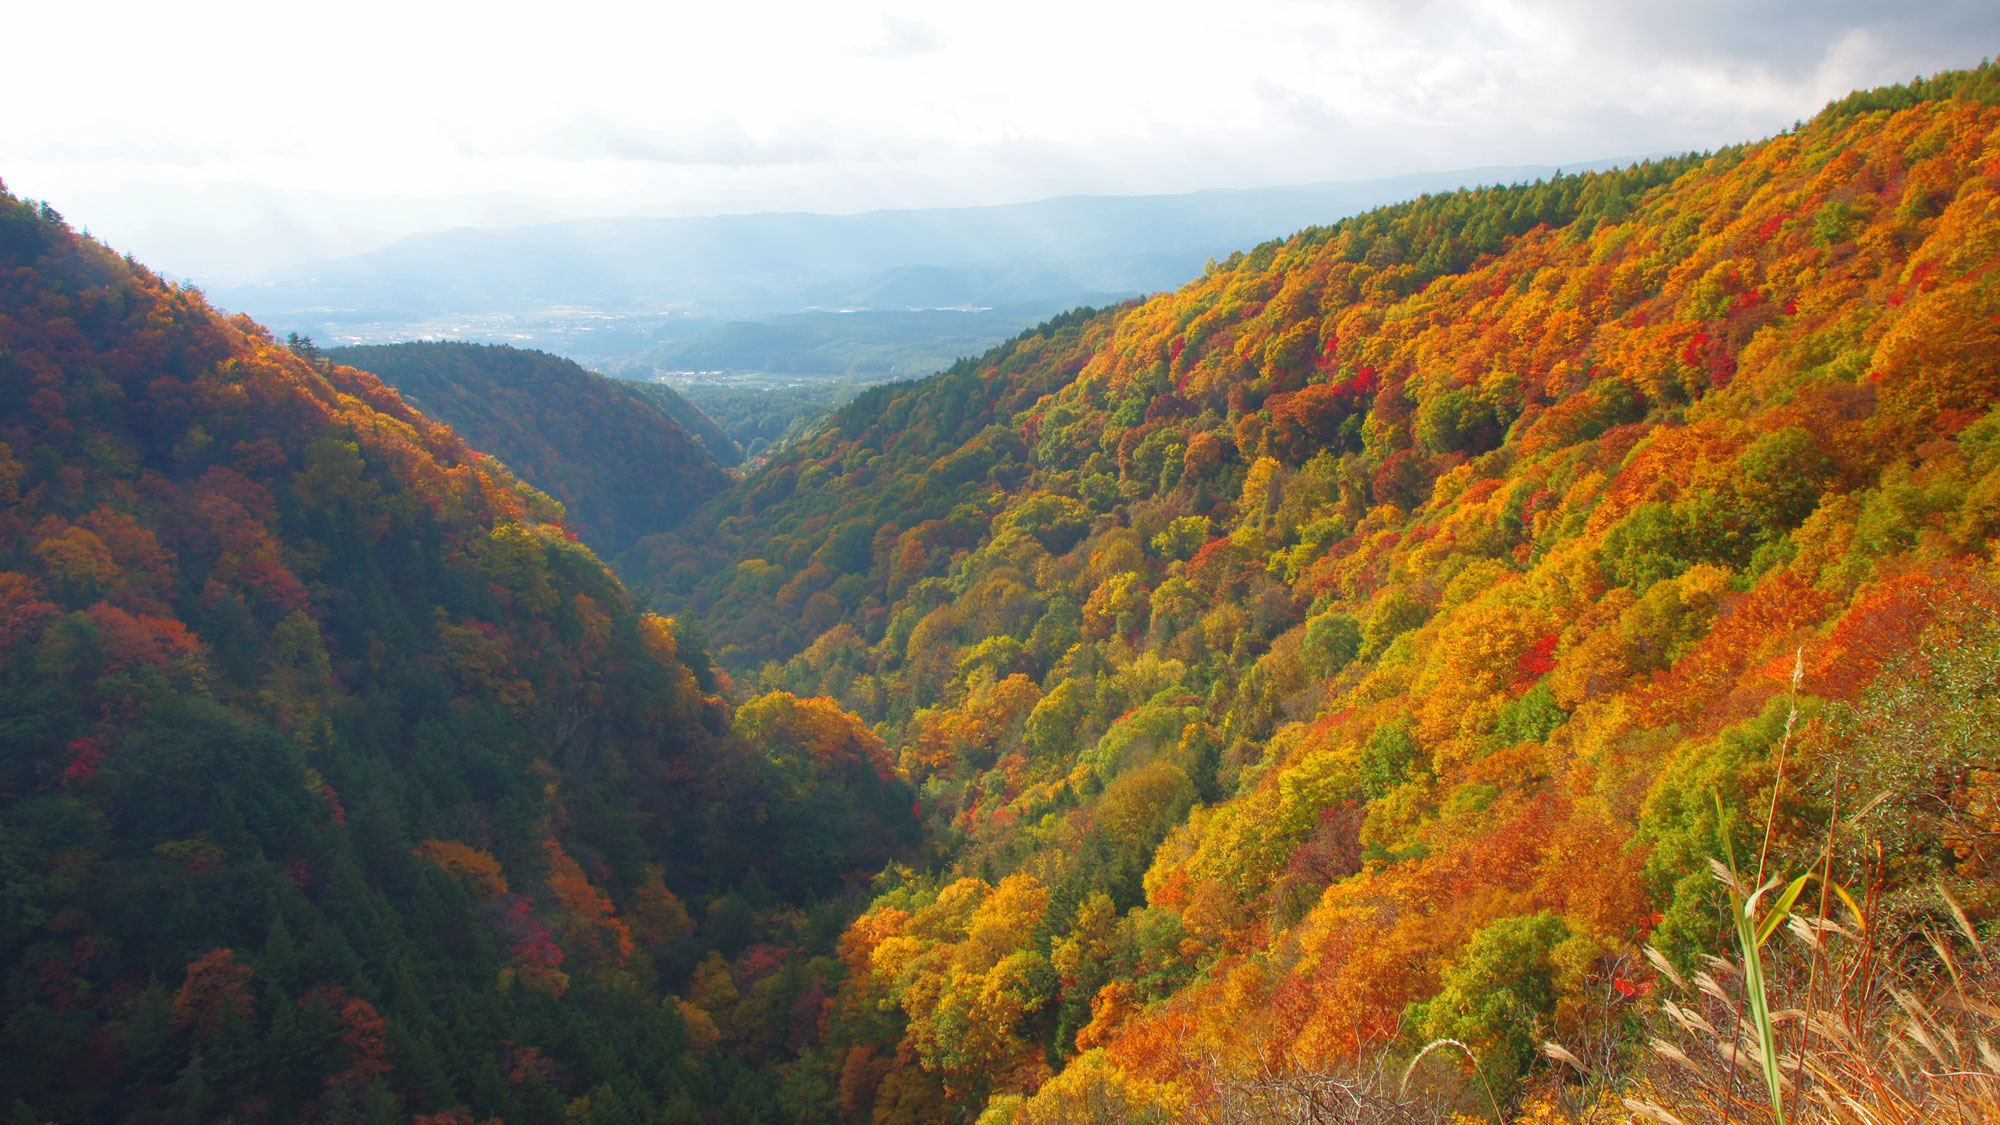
(1524, 654)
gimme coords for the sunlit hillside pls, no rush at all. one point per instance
(1356, 647)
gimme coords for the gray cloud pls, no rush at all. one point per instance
(1555, 80)
(1791, 38)
(1787, 39)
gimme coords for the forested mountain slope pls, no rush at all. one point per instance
(338, 782)
(670, 402)
(1359, 645)
(619, 464)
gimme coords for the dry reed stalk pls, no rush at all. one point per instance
(1892, 1051)
(1367, 1093)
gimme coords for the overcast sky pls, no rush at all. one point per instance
(217, 140)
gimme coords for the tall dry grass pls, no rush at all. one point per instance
(1833, 1023)
(1376, 1089)
(1858, 1037)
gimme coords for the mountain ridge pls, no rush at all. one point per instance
(621, 467)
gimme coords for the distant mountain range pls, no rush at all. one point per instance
(598, 289)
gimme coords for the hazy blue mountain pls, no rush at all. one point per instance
(601, 288)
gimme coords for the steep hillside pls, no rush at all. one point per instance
(721, 447)
(338, 782)
(1373, 641)
(621, 467)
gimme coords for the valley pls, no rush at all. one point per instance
(1499, 652)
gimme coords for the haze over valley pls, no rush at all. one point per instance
(778, 292)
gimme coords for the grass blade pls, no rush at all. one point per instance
(1742, 912)
(1781, 908)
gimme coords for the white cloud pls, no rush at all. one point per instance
(903, 37)
(350, 124)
